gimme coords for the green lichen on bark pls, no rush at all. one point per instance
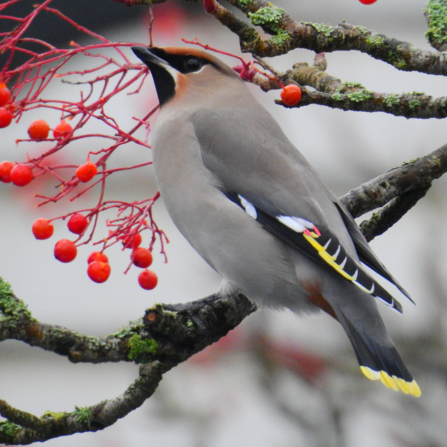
(391, 100)
(83, 415)
(436, 14)
(267, 16)
(12, 310)
(414, 103)
(321, 28)
(375, 40)
(271, 17)
(359, 96)
(9, 428)
(131, 329)
(142, 350)
(396, 59)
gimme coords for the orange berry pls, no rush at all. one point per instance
(21, 175)
(291, 95)
(5, 171)
(86, 172)
(97, 256)
(65, 250)
(38, 130)
(62, 129)
(5, 95)
(42, 229)
(128, 242)
(77, 223)
(147, 279)
(5, 117)
(141, 257)
(99, 271)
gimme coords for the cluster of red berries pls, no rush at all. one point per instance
(21, 174)
(98, 264)
(39, 130)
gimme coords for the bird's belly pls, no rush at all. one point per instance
(237, 247)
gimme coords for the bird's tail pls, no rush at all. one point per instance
(377, 356)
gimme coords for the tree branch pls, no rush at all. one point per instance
(166, 336)
(24, 428)
(401, 188)
(289, 34)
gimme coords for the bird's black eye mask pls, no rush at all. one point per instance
(183, 63)
(164, 80)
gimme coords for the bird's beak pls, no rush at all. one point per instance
(145, 55)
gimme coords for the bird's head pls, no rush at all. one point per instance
(174, 69)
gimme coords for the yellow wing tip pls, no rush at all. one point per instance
(392, 382)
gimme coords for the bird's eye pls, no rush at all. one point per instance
(193, 64)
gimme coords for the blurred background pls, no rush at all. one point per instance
(277, 380)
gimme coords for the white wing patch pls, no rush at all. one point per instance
(249, 208)
(296, 224)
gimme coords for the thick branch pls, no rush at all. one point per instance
(24, 428)
(397, 191)
(332, 92)
(390, 214)
(289, 34)
(166, 336)
(413, 175)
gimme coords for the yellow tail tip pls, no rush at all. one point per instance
(393, 382)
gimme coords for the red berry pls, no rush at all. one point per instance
(97, 256)
(210, 6)
(62, 129)
(147, 279)
(291, 95)
(77, 223)
(5, 117)
(99, 271)
(367, 2)
(141, 257)
(129, 243)
(21, 175)
(5, 171)
(42, 229)
(38, 130)
(86, 172)
(65, 250)
(5, 95)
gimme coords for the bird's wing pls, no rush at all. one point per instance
(263, 170)
(316, 242)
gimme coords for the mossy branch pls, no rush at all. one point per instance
(23, 428)
(166, 336)
(289, 34)
(398, 190)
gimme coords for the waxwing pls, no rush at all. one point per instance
(252, 206)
